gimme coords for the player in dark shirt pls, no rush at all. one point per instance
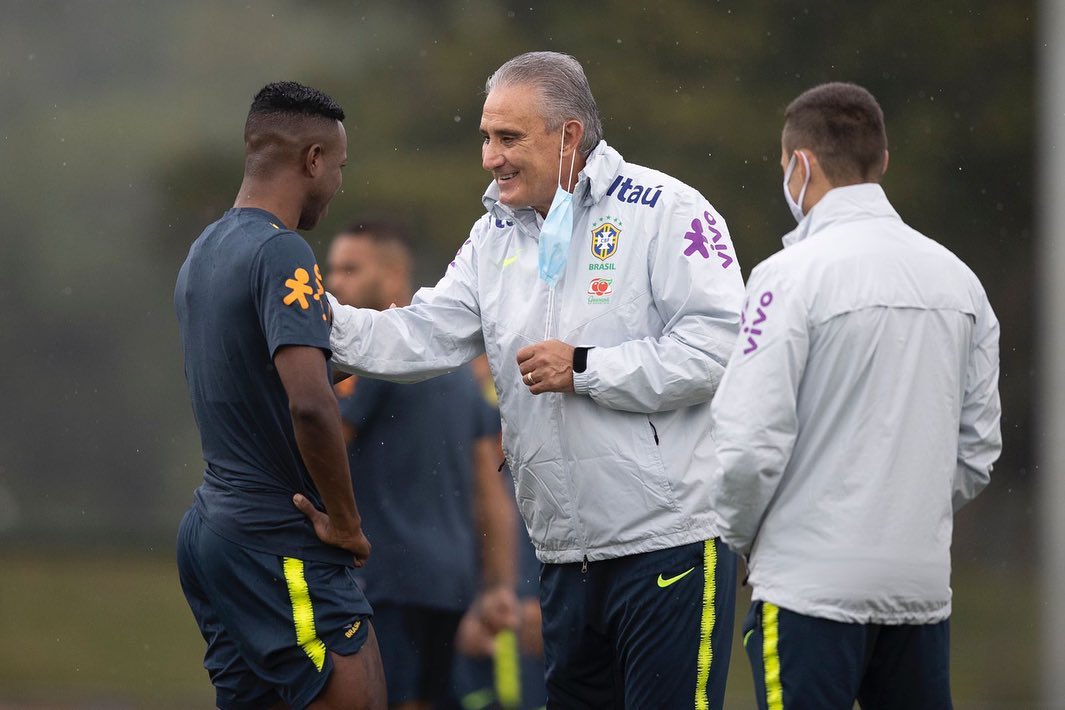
(267, 573)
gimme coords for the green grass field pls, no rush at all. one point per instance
(112, 631)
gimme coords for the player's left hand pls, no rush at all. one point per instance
(547, 367)
(349, 537)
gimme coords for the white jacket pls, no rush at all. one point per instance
(623, 465)
(859, 410)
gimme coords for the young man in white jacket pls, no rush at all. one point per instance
(859, 411)
(607, 298)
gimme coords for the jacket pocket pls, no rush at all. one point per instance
(622, 491)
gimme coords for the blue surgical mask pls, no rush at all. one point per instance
(796, 206)
(557, 229)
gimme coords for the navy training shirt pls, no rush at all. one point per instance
(412, 469)
(248, 287)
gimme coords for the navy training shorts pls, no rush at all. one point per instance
(803, 661)
(652, 630)
(269, 621)
(417, 651)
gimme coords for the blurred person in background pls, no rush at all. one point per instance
(503, 670)
(859, 411)
(606, 296)
(270, 585)
(424, 458)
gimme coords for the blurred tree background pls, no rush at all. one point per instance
(120, 139)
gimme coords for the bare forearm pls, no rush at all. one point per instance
(497, 519)
(500, 566)
(321, 443)
(316, 424)
(496, 516)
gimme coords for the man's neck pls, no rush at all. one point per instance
(270, 197)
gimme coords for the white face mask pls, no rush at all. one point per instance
(558, 225)
(796, 207)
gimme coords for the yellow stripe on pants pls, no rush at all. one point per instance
(303, 612)
(706, 627)
(774, 692)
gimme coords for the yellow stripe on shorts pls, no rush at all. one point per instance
(706, 627)
(774, 691)
(303, 612)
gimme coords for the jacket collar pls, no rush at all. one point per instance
(592, 183)
(842, 204)
(602, 167)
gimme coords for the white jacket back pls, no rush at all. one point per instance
(859, 410)
(651, 283)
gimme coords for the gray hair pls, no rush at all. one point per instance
(563, 89)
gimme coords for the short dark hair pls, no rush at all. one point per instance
(293, 98)
(383, 232)
(843, 125)
(280, 105)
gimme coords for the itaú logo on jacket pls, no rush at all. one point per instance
(632, 193)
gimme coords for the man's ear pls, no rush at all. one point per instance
(815, 163)
(887, 157)
(312, 159)
(574, 132)
(803, 170)
(817, 173)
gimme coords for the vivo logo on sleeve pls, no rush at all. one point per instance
(753, 329)
(699, 243)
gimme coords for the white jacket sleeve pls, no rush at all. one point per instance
(980, 435)
(755, 409)
(439, 331)
(697, 289)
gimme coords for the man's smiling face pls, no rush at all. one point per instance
(519, 149)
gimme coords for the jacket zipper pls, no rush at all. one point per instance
(550, 313)
(547, 336)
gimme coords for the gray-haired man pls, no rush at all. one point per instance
(607, 298)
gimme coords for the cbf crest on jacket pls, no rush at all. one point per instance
(622, 465)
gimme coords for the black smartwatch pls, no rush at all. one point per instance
(580, 359)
